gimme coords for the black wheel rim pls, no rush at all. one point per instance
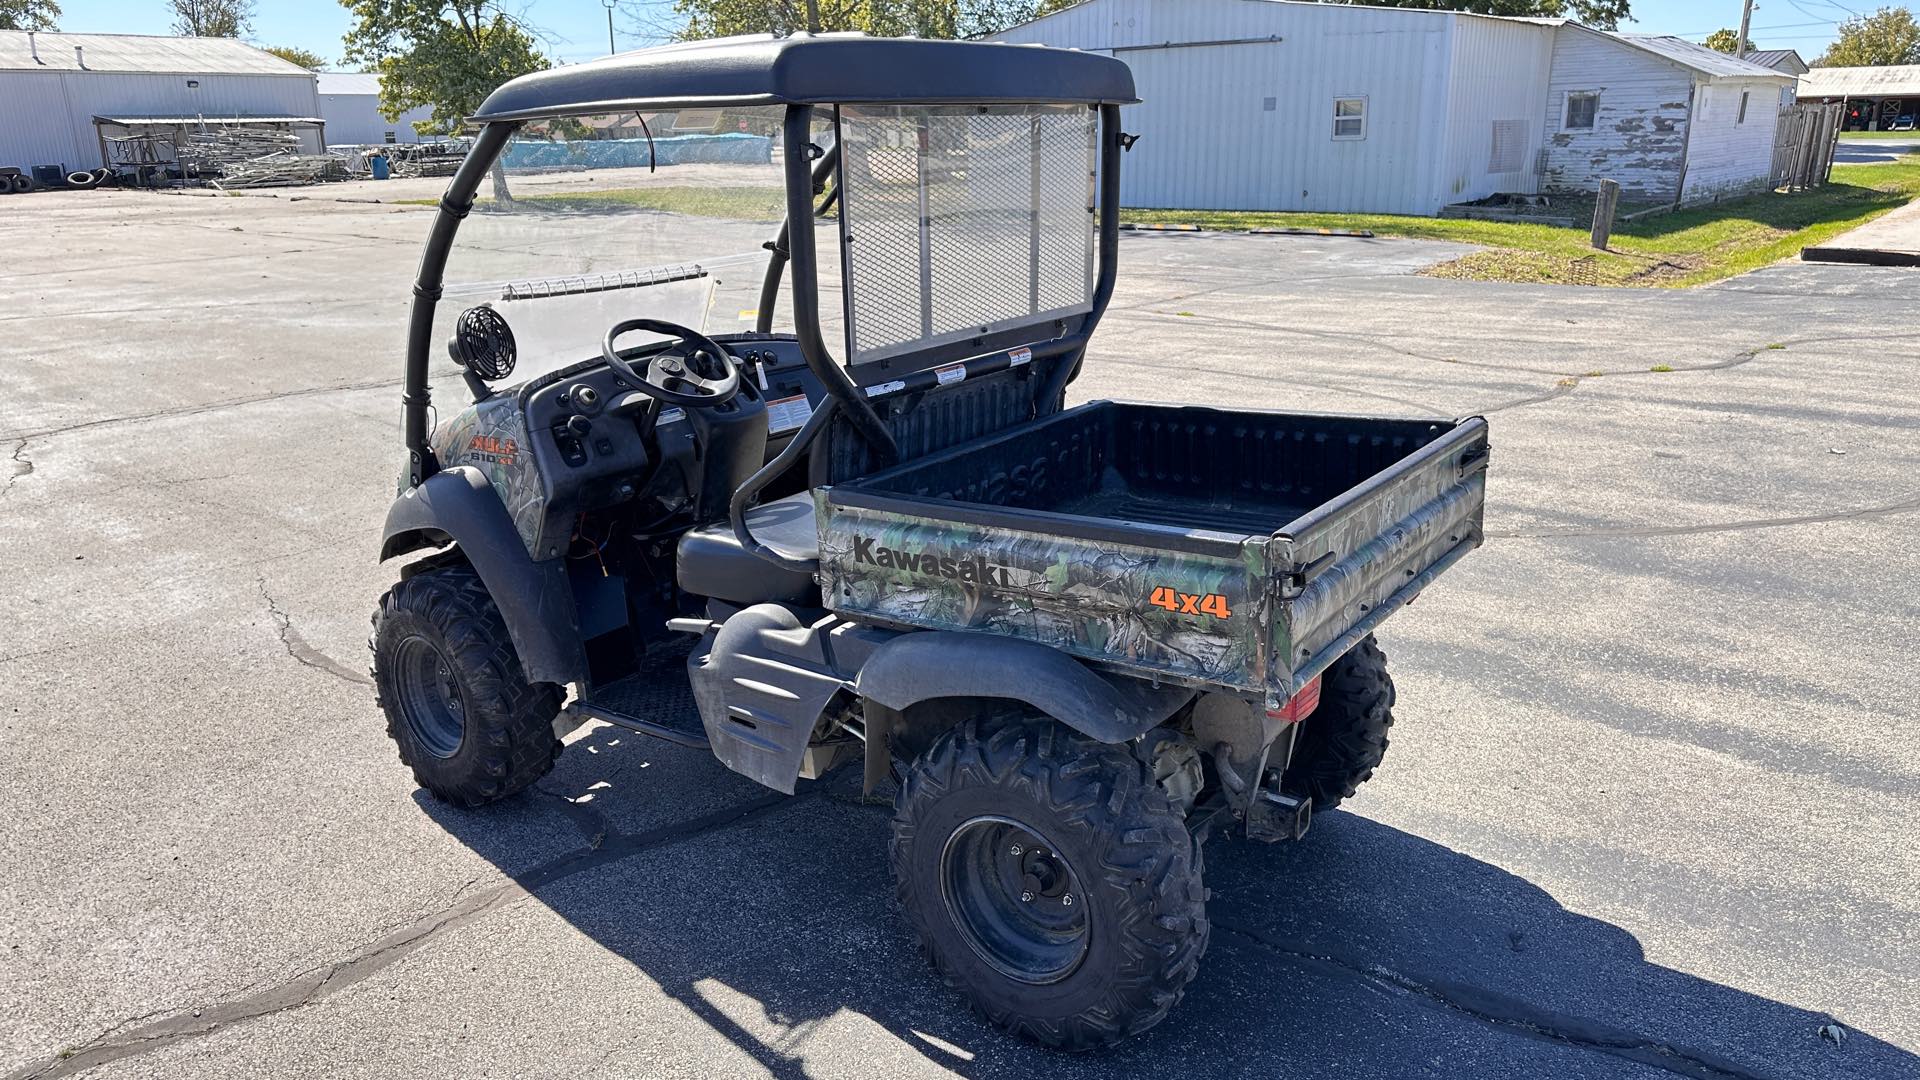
(430, 697)
(1017, 901)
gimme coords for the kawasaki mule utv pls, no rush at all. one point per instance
(1077, 638)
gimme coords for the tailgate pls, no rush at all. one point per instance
(1346, 565)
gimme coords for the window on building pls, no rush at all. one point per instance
(1581, 107)
(1350, 118)
(1742, 118)
(390, 137)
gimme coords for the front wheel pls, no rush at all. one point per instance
(1051, 880)
(464, 717)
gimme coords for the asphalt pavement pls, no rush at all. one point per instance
(1650, 808)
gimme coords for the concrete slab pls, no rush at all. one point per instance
(1893, 239)
(1648, 812)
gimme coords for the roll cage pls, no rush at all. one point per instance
(804, 74)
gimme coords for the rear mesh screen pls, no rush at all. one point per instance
(960, 221)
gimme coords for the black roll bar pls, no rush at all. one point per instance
(781, 250)
(799, 149)
(1073, 349)
(455, 204)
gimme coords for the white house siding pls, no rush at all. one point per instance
(1209, 139)
(1725, 156)
(1498, 77)
(1639, 134)
(46, 117)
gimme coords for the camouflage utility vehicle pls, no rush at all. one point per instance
(1077, 638)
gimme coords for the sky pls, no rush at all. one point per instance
(575, 30)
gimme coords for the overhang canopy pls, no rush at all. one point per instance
(816, 70)
(1893, 80)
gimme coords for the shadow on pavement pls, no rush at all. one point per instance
(1362, 951)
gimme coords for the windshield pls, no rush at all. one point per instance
(587, 220)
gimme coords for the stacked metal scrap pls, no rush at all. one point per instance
(211, 151)
(282, 170)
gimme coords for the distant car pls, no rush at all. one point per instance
(1904, 123)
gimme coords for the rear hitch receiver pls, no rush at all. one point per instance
(1275, 816)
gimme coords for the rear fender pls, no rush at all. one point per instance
(935, 664)
(458, 506)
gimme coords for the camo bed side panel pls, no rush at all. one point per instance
(1153, 611)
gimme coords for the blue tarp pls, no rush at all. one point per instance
(730, 149)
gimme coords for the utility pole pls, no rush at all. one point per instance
(1746, 20)
(610, 5)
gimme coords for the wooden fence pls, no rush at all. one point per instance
(1803, 145)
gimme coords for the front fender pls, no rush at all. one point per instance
(458, 505)
(934, 664)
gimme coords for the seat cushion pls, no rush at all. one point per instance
(712, 563)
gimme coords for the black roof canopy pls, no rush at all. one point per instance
(827, 69)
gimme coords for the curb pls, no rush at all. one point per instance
(1860, 256)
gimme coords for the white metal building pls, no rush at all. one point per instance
(53, 86)
(1280, 105)
(350, 104)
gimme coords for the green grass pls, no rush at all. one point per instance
(1909, 136)
(737, 203)
(1690, 247)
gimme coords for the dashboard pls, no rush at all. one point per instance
(597, 450)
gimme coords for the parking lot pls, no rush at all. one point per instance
(1650, 808)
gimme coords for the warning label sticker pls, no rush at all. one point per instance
(950, 374)
(787, 413)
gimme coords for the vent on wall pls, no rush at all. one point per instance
(1509, 146)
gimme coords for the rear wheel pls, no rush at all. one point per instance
(1050, 879)
(464, 717)
(1344, 740)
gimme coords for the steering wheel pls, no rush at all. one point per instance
(686, 382)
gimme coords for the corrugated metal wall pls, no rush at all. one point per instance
(1498, 78)
(46, 117)
(1249, 125)
(355, 120)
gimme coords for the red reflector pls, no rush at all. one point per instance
(1301, 705)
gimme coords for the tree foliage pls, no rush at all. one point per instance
(1888, 36)
(211, 18)
(28, 14)
(891, 18)
(1725, 41)
(446, 55)
(1601, 14)
(293, 54)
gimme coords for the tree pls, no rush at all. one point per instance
(211, 18)
(1725, 41)
(892, 18)
(1601, 14)
(443, 55)
(446, 55)
(1888, 36)
(312, 61)
(28, 14)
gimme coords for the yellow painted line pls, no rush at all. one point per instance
(750, 313)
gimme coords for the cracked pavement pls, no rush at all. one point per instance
(1650, 809)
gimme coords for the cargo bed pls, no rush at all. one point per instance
(1221, 547)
